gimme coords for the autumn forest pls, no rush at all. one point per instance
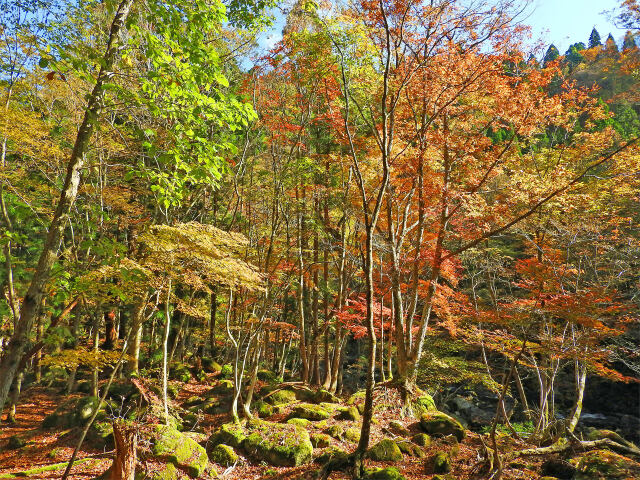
(400, 242)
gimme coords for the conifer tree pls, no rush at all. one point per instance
(629, 42)
(551, 55)
(594, 38)
(611, 44)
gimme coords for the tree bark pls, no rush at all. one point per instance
(126, 440)
(33, 299)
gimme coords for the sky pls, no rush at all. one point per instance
(561, 22)
(564, 22)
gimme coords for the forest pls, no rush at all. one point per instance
(400, 242)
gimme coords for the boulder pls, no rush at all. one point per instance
(278, 444)
(210, 365)
(421, 439)
(15, 442)
(228, 434)
(226, 371)
(163, 471)
(350, 414)
(281, 397)
(385, 450)
(267, 376)
(299, 422)
(556, 467)
(441, 462)
(332, 454)
(438, 423)
(320, 440)
(100, 435)
(185, 453)
(398, 428)
(223, 455)
(179, 371)
(603, 464)
(263, 409)
(423, 404)
(410, 449)
(388, 473)
(324, 396)
(352, 435)
(336, 431)
(309, 411)
(224, 387)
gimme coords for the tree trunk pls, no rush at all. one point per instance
(212, 321)
(165, 341)
(136, 327)
(33, 299)
(126, 440)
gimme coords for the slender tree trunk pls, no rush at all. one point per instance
(126, 440)
(212, 320)
(15, 396)
(96, 340)
(136, 327)
(165, 342)
(581, 381)
(33, 299)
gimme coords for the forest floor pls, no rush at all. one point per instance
(48, 447)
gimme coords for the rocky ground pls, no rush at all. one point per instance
(294, 432)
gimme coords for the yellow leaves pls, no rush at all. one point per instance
(81, 357)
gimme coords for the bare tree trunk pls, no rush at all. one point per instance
(126, 440)
(581, 380)
(15, 395)
(212, 320)
(165, 341)
(32, 303)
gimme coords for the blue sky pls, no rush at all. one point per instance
(563, 22)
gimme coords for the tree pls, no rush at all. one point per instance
(611, 46)
(594, 39)
(629, 42)
(551, 55)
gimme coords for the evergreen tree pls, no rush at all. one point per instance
(629, 42)
(594, 38)
(551, 55)
(574, 55)
(611, 45)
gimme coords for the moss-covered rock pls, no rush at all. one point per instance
(423, 404)
(226, 371)
(100, 435)
(309, 411)
(278, 444)
(410, 449)
(267, 376)
(352, 435)
(554, 467)
(263, 409)
(398, 428)
(389, 473)
(385, 450)
(356, 398)
(324, 396)
(281, 397)
(228, 434)
(224, 387)
(168, 443)
(299, 422)
(421, 439)
(179, 371)
(441, 462)
(223, 455)
(15, 442)
(320, 440)
(438, 423)
(210, 365)
(164, 471)
(603, 464)
(336, 431)
(350, 414)
(331, 454)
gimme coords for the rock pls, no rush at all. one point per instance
(100, 435)
(389, 473)
(385, 450)
(352, 435)
(15, 442)
(443, 477)
(226, 371)
(179, 371)
(210, 365)
(556, 467)
(324, 396)
(267, 376)
(398, 428)
(164, 471)
(224, 387)
(309, 411)
(278, 444)
(330, 454)
(594, 434)
(185, 453)
(192, 402)
(228, 434)
(281, 397)
(423, 404)
(410, 449)
(438, 423)
(603, 464)
(441, 462)
(263, 409)
(336, 431)
(223, 455)
(421, 439)
(350, 414)
(320, 440)
(471, 413)
(300, 422)
(356, 398)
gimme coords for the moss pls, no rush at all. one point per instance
(310, 412)
(336, 431)
(179, 371)
(398, 428)
(223, 455)
(101, 435)
(352, 434)
(441, 462)
(389, 473)
(226, 371)
(385, 450)
(356, 398)
(438, 423)
(278, 444)
(421, 439)
(167, 471)
(423, 404)
(410, 449)
(350, 414)
(184, 452)
(320, 440)
(281, 397)
(324, 396)
(601, 464)
(228, 434)
(321, 424)
(263, 409)
(210, 365)
(15, 442)
(332, 453)
(224, 387)
(299, 422)
(267, 376)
